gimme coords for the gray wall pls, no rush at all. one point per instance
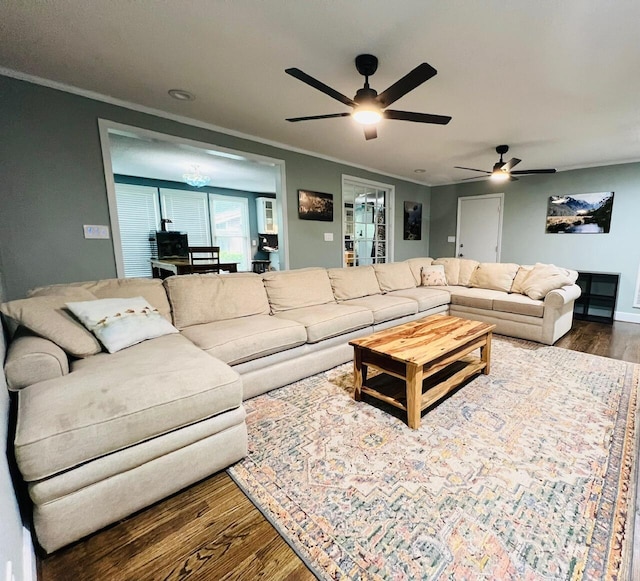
(524, 239)
(52, 182)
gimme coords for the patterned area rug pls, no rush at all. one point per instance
(528, 473)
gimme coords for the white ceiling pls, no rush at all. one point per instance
(557, 80)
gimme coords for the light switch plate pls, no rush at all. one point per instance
(328, 236)
(96, 231)
(451, 238)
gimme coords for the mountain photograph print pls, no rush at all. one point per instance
(580, 213)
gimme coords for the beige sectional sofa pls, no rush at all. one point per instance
(100, 435)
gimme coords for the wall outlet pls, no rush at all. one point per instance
(254, 243)
(328, 236)
(9, 572)
(451, 238)
(95, 231)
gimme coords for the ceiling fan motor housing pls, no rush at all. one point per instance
(367, 64)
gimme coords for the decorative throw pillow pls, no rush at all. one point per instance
(544, 278)
(46, 316)
(521, 275)
(120, 323)
(494, 276)
(433, 275)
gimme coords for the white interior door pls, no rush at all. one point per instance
(479, 232)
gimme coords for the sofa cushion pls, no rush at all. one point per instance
(521, 275)
(329, 320)
(204, 298)
(296, 289)
(416, 264)
(494, 276)
(386, 307)
(544, 278)
(451, 268)
(48, 317)
(433, 276)
(519, 304)
(120, 323)
(394, 276)
(149, 288)
(466, 270)
(238, 340)
(112, 401)
(478, 298)
(426, 297)
(353, 282)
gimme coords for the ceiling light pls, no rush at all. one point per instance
(182, 95)
(367, 114)
(499, 176)
(195, 178)
(419, 171)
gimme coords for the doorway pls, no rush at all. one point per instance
(479, 230)
(217, 211)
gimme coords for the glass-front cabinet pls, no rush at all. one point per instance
(364, 224)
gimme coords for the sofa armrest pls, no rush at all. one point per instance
(562, 296)
(31, 359)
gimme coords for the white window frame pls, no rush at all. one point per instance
(245, 220)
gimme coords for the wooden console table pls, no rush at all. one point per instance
(164, 267)
(430, 357)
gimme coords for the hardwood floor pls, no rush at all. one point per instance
(212, 531)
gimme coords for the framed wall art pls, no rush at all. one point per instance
(580, 213)
(315, 206)
(412, 221)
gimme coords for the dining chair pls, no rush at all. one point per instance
(203, 257)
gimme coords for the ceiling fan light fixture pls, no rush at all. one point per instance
(499, 176)
(367, 114)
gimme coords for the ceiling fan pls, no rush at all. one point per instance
(502, 170)
(369, 107)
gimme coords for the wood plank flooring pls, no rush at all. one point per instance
(212, 531)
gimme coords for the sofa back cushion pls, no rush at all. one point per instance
(394, 276)
(204, 298)
(114, 288)
(48, 317)
(416, 265)
(521, 275)
(544, 278)
(494, 275)
(295, 289)
(458, 271)
(353, 282)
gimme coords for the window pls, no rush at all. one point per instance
(230, 229)
(138, 217)
(207, 219)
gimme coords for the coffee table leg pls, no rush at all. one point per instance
(414, 395)
(485, 354)
(357, 373)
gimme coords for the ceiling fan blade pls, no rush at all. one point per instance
(407, 83)
(316, 84)
(416, 117)
(533, 171)
(330, 116)
(511, 163)
(370, 132)
(472, 169)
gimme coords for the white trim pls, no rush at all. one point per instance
(189, 121)
(106, 125)
(391, 189)
(500, 214)
(29, 565)
(636, 296)
(627, 317)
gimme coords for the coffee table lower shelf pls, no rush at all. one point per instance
(392, 388)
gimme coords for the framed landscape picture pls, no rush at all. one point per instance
(580, 213)
(315, 206)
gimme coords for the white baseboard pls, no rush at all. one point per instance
(29, 566)
(627, 317)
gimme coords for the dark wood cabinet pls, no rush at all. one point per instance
(598, 299)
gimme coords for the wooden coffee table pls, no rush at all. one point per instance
(430, 357)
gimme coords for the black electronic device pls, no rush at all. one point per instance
(169, 244)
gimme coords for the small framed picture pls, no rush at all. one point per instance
(315, 206)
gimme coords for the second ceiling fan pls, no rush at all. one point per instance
(369, 107)
(502, 170)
